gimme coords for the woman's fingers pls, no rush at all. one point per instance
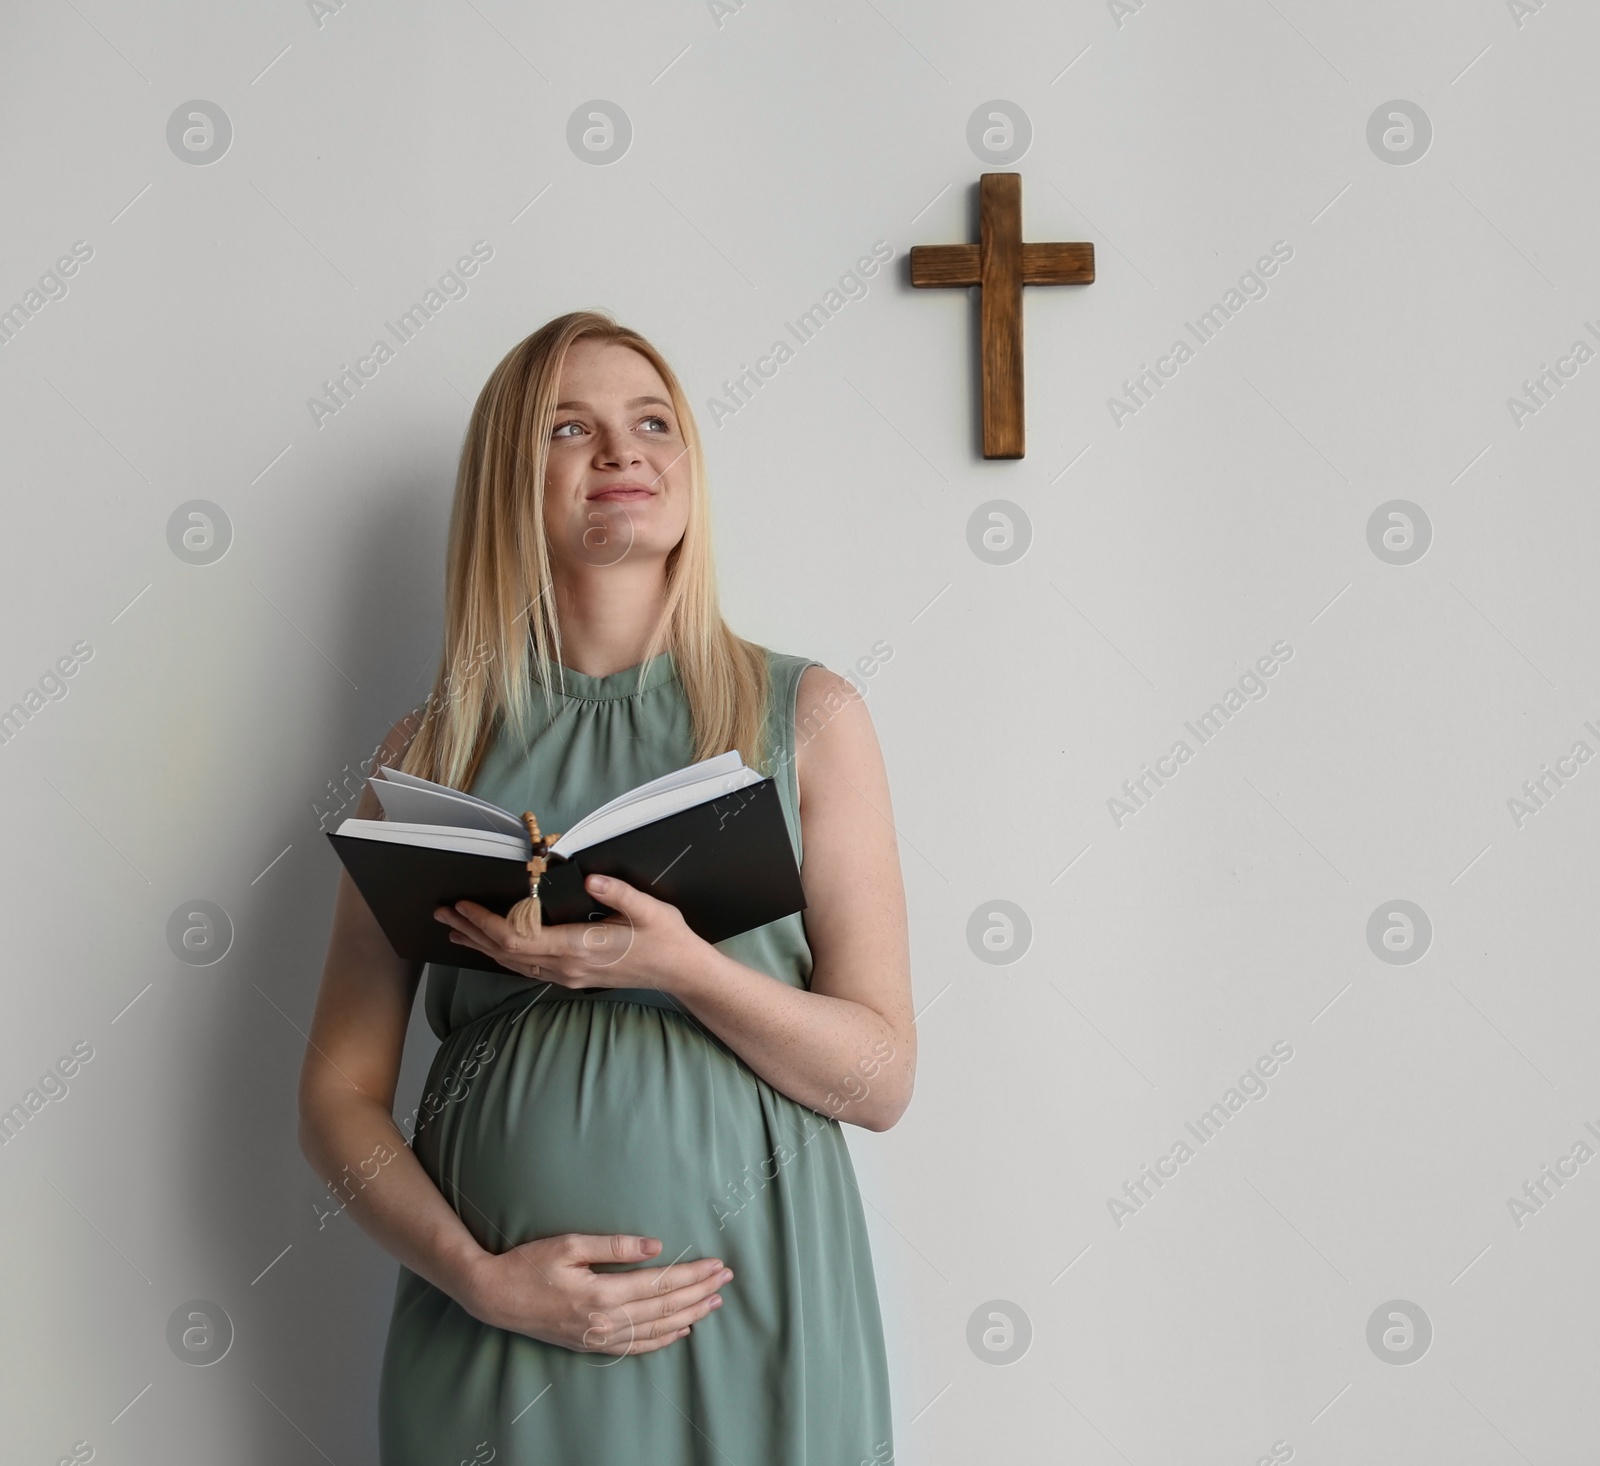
(644, 1346)
(650, 1308)
(476, 925)
(636, 1335)
(590, 1247)
(492, 928)
(674, 1285)
(654, 1307)
(629, 1312)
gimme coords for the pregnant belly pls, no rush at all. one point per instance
(600, 1116)
(584, 1115)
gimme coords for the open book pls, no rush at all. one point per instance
(710, 838)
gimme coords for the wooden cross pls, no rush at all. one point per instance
(1000, 264)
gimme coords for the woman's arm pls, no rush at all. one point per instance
(347, 1084)
(847, 1047)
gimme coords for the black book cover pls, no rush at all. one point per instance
(727, 864)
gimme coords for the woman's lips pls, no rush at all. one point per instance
(620, 494)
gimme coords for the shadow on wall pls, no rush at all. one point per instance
(309, 1330)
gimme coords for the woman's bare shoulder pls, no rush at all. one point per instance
(833, 729)
(822, 690)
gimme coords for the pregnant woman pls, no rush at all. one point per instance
(628, 1227)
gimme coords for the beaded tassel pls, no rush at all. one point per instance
(526, 917)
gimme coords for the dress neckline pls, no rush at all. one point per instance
(582, 687)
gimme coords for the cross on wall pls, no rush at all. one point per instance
(1000, 264)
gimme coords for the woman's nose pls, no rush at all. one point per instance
(615, 446)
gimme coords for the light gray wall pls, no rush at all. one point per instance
(1153, 958)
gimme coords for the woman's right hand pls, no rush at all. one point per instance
(548, 1289)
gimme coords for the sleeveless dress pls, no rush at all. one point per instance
(548, 1110)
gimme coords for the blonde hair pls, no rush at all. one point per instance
(500, 629)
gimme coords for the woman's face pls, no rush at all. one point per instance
(617, 485)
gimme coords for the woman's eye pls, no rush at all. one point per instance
(557, 433)
(666, 427)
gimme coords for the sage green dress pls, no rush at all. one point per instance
(616, 1111)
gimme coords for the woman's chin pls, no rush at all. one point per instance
(618, 531)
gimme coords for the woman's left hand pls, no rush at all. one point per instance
(647, 944)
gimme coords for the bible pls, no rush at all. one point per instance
(710, 838)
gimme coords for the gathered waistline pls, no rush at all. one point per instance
(553, 992)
